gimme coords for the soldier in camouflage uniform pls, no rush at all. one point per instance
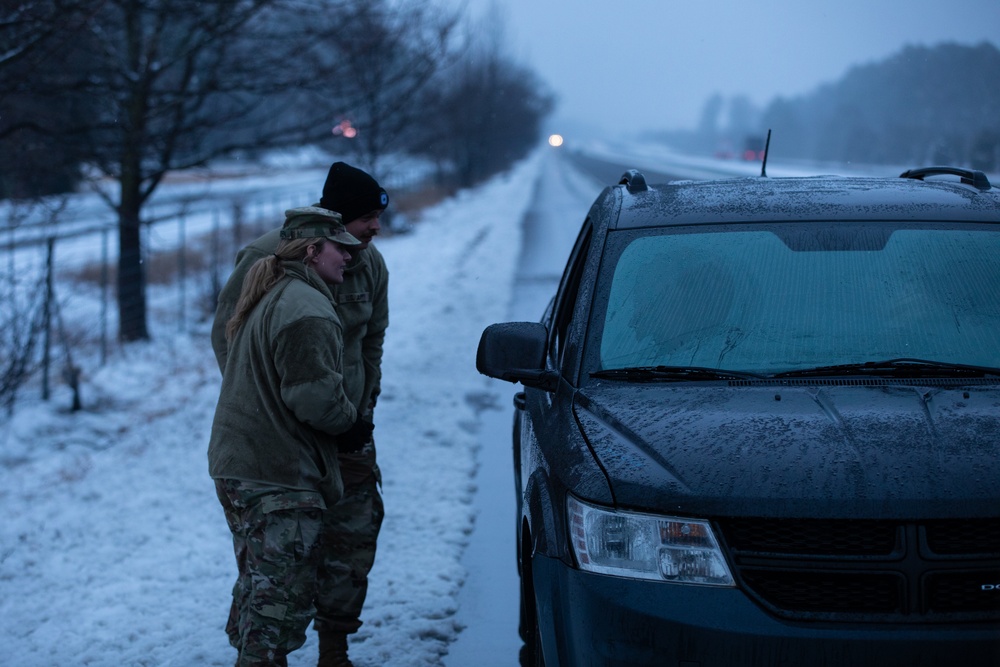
(282, 416)
(351, 527)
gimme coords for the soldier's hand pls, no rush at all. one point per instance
(355, 438)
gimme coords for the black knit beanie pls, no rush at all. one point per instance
(352, 192)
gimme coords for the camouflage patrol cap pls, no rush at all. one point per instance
(315, 222)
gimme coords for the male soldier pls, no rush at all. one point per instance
(351, 527)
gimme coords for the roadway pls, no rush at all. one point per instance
(488, 602)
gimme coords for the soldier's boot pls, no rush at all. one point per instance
(333, 650)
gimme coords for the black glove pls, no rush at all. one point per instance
(355, 438)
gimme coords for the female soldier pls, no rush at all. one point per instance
(282, 415)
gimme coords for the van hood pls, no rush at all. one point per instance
(806, 451)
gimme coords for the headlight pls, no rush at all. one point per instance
(645, 546)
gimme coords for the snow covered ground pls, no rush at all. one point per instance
(113, 548)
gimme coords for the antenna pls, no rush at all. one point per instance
(763, 165)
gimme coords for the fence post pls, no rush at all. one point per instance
(50, 243)
(182, 270)
(237, 224)
(104, 295)
(216, 259)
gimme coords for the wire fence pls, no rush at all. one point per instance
(58, 304)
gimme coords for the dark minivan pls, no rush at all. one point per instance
(760, 425)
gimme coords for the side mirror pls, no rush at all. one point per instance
(515, 352)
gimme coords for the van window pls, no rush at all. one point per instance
(755, 301)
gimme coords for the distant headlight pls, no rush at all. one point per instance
(645, 546)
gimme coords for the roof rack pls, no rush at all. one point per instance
(971, 177)
(633, 181)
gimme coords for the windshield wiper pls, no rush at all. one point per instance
(669, 373)
(899, 368)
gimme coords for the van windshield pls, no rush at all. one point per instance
(796, 296)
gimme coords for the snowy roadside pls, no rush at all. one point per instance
(113, 549)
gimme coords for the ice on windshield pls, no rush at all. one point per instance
(751, 301)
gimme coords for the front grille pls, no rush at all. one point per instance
(963, 591)
(882, 571)
(815, 538)
(828, 592)
(963, 537)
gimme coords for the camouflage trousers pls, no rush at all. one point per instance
(350, 533)
(276, 538)
(348, 536)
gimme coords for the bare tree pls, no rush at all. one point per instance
(24, 306)
(186, 80)
(20, 333)
(162, 85)
(383, 56)
(33, 29)
(34, 34)
(486, 110)
(170, 84)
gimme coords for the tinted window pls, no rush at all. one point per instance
(794, 297)
(569, 288)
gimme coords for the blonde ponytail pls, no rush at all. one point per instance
(265, 274)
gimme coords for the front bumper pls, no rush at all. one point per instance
(588, 619)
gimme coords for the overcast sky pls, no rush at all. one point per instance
(638, 64)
